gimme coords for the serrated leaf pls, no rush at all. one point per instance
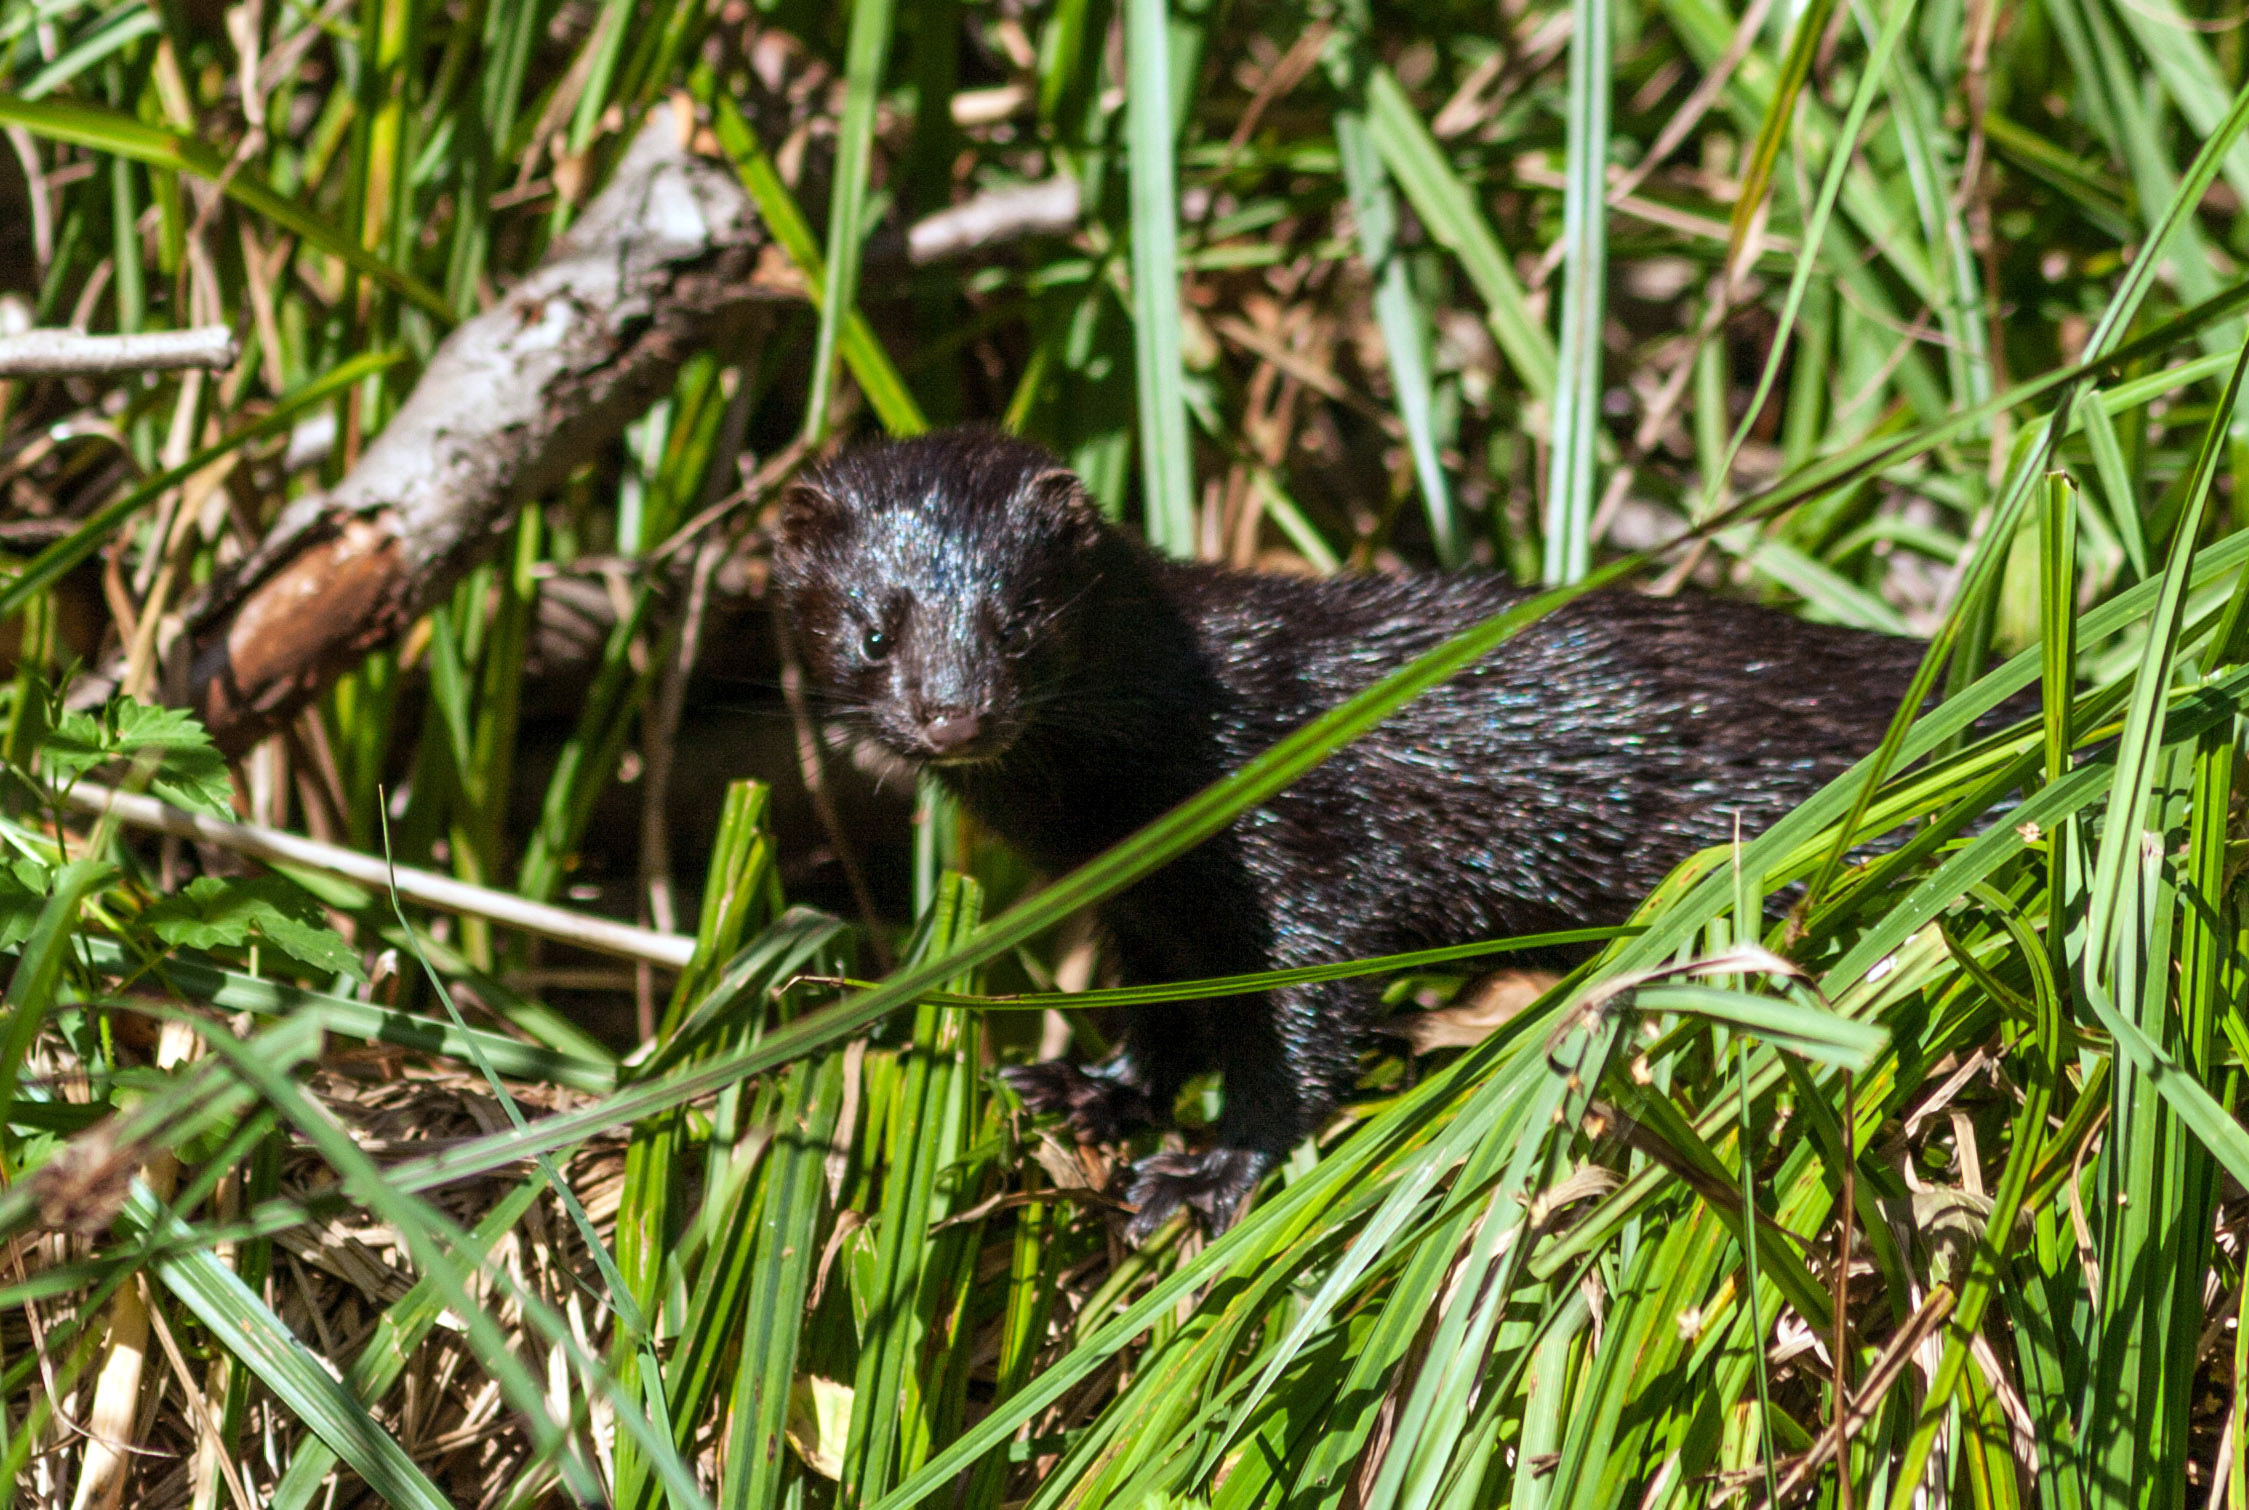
(23, 891)
(192, 773)
(212, 913)
(74, 744)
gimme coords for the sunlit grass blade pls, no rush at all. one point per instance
(866, 51)
(1398, 312)
(1167, 478)
(387, 1352)
(240, 1322)
(785, 1253)
(234, 991)
(886, 1395)
(1450, 212)
(1570, 481)
(107, 131)
(1810, 1031)
(878, 377)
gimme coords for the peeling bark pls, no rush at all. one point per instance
(511, 401)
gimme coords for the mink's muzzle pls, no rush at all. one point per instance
(960, 737)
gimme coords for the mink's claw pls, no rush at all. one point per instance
(1097, 1108)
(1211, 1185)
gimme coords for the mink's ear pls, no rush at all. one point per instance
(811, 517)
(1057, 493)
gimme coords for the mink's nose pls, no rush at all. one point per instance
(950, 729)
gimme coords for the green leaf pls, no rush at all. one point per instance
(211, 913)
(23, 892)
(194, 774)
(190, 772)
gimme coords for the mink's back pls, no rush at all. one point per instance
(1554, 782)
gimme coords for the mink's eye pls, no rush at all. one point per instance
(876, 645)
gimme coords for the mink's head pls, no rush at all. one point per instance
(931, 584)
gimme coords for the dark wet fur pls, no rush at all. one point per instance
(1550, 786)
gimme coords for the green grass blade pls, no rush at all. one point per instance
(1801, 1028)
(31, 992)
(387, 1352)
(124, 137)
(1266, 980)
(1570, 482)
(1403, 323)
(786, 1253)
(1447, 208)
(234, 991)
(878, 377)
(1167, 473)
(864, 57)
(240, 1322)
(884, 1396)
(2121, 834)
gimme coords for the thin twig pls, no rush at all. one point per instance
(1697, 104)
(994, 217)
(73, 353)
(36, 191)
(1919, 1327)
(656, 781)
(198, 1406)
(816, 786)
(602, 935)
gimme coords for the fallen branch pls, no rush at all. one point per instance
(428, 889)
(73, 353)
(508, 405)
(994, 218)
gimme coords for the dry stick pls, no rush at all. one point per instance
(208, 1436)
(509, 403)
(656, 781)
(1697, 104)
(602, 935)
(1654, 423)
(1892, 1363)
(35, 190)
(994, 217)
(1285, 74)
(777, 468)
(113, 1414)
(73, 353)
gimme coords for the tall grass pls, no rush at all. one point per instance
(1925, 317)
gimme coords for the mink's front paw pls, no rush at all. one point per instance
(1098, 1108)
(1212, 1185)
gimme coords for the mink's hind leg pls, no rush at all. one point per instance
(1106, 1102)
(1287, 1064)
(1097, 1102)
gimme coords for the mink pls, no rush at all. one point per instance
(965, 606)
